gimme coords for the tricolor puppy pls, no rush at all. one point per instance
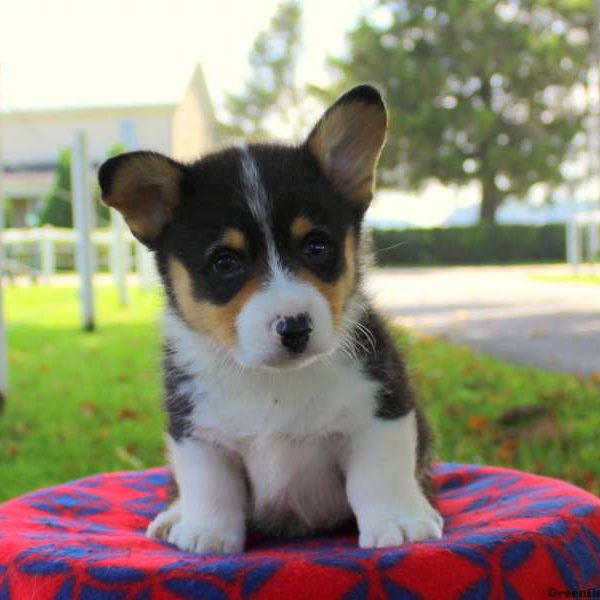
(289, 406)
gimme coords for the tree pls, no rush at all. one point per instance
(479, 90)
(271, 95)
(57, 209)
(57, 204)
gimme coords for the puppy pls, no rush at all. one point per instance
(289, 407)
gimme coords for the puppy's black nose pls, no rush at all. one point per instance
(294, 332)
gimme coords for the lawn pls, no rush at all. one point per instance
(81, 403)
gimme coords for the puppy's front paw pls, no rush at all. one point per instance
(162, 524)
(400, 528)
(194, 537)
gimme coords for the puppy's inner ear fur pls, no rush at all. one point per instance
(348, 140)
(144, 188)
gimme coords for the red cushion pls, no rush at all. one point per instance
(508, 534)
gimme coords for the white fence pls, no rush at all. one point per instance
(38, 252)
(582, 232)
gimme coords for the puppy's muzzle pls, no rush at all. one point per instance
(294, 332)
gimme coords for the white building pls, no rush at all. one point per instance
(32, 140)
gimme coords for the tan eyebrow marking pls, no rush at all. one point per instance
(216, 321)
(337, 294)
(301, 226)
(234, 238)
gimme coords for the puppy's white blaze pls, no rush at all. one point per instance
(254, 189)
(284, 295)
(258, 203)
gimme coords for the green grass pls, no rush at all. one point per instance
(78, 402)
(486, 410)
(593, 279)
(81, 403)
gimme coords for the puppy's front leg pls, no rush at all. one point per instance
(212, 498)
(382, 486)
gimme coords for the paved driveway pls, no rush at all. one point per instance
(499, 310)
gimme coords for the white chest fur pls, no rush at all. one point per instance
(288, 427)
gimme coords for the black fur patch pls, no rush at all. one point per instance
(178, 405)
(382, 360)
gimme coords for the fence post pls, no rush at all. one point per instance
(3, 343)
(592, 241)
(573, 243)
(48, 260)
(144, 265)
(119, 252)
(82, 209)
(3, 347)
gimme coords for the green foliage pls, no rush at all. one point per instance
(57, 209)
(57, 204)
(81, 403)
(10, 204)
(271, 93)
(477, 90)
(102, 211)
(476, 244)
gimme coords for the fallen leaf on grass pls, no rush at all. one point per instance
(474, 372)
(454, 409)
(89, 408)
(591, 481)
(129, 414)
(128, 456)
(102, 433)
(556, 395)
(545, 429)
(426, 340)
(471, 368)
(22, 428)
(524, 412)
(477, 423)
(122, 377)
(12, 450)
(507, 450)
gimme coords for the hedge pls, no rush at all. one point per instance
(473, 245)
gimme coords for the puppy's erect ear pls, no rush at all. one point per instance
(347, 142)
(144, 188)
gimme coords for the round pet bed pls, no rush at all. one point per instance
(508, 534)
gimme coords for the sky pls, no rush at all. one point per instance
(69, 53)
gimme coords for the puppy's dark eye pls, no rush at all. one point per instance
(227, 265)
(317, 248)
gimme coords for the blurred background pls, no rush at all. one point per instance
(485, 225)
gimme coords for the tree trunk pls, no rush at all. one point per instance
(490, 199)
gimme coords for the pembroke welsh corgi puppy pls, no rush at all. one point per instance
(289, 406)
